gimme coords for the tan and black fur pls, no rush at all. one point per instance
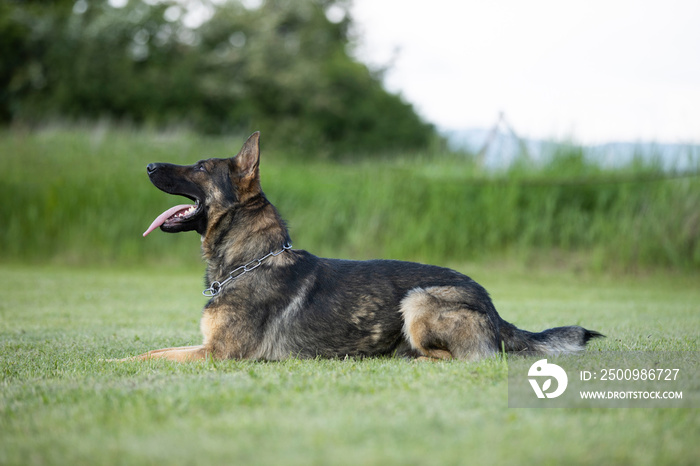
(299, 305)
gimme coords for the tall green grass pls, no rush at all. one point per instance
(81, 195)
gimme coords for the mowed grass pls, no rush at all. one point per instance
(60, 403)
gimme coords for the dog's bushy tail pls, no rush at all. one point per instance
(558, 340)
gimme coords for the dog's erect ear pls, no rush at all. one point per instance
(247, 160)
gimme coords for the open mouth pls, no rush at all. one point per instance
(171, 219)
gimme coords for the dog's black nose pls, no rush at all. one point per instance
(152, 167)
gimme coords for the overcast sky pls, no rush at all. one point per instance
(594, 70)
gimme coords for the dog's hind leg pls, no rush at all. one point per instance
(179, 354)
(440, 323)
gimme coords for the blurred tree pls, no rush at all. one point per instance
(282, 66)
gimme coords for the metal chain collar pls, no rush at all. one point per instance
(215, 288)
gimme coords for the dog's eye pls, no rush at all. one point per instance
(201, 168)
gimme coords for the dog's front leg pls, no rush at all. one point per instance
(179, 354)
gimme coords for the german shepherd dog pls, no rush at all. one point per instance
(271, 302)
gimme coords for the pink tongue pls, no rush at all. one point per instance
(166, 215)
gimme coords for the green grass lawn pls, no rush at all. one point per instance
(60, 404)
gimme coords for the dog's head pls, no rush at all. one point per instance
(214, 185)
